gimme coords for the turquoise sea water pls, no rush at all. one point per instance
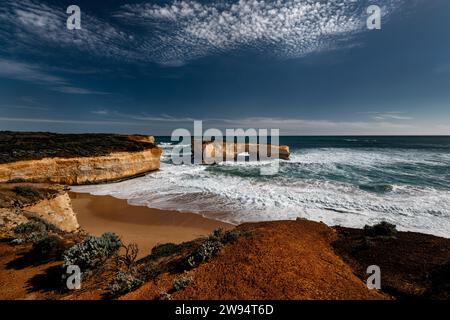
(349, 181)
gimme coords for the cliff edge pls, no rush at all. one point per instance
(75, 159)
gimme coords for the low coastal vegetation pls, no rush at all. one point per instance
(205, 266)
(382, 229)
(181, 283)
(92, 251)
(168, 249)
(110, 269)
(34, 228)
(18, 195)
(47, 241)
(175, 258)
(26, 191)
(106, 257)
(209, 247)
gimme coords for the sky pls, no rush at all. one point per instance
(306, 67)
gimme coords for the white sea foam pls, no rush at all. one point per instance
(235, 194)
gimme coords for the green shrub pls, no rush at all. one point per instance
(93, 251)
(26, 191)
(34, 230)
(168, 249)
(35, 225)
(124, 282)
(36, 237)
(181, 283)
(382, 229)
(48, 247)
(164, 250)
(231, 236)
(207, 249)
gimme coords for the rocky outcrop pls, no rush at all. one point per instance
(58, 211)
(83, 170)
(142, 138)
(20, 202)
(9, 218)
(218, 151)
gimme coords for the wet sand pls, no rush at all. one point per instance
(144, 226)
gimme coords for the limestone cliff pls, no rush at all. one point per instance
(58, 211)
(19, 202)
(83, 170)
(217, 151)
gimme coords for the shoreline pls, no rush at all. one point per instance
(142, 225)
(289, 259)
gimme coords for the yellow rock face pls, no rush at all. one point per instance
(83, 170)
(214, 152)
(58, 211)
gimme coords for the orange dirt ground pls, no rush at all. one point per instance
(278, 260)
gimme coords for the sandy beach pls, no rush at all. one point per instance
(144, 226)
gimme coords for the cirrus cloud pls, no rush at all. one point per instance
(180, 31)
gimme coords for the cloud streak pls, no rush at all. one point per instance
(295, 126)
(388, 115)
(35, 74)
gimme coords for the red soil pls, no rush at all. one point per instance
(278, 260)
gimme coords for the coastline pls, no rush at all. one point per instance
(144, 226)
(290, 259)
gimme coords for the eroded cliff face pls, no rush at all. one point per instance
(50, 203)
(58, 211)
(217, 151)
(83, 170)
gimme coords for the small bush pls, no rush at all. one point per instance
(149, 272)
(93, 251)
(129, 258)
(26, 191)
(164, 250)
(208, 249)
(36, 237)
(34, 230)
(35, 225)
(168, 249)
(181, 283)
(382, 229)
(231, 236)
(124, 282)
(48, 247)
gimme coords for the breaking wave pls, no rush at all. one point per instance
(339, 186)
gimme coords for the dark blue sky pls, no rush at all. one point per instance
(306, 66)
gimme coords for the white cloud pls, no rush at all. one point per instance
(76, 90)
(101, 112)
(388, 115)
(290, 28)
(27, 72)
(180, 31)
(32, 25)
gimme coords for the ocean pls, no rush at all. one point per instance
(348, 181)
